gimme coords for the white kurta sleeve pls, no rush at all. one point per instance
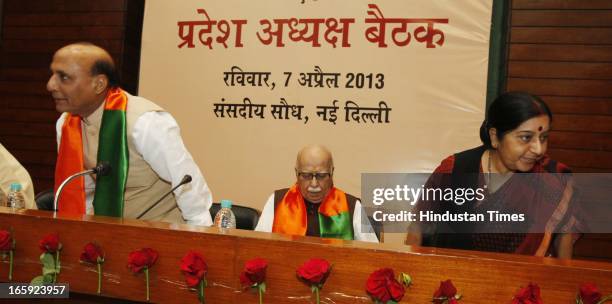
(363, 232)
(156, 136)
(267, 216)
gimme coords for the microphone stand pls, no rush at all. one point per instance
(186, 180)
(101, 169)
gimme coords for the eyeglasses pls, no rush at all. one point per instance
(307, 176)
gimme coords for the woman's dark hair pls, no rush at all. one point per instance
(510, 110)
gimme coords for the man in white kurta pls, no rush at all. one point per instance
(158, 159)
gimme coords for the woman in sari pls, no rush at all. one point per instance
(515, 138)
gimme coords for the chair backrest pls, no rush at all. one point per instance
(246, 217)
(44, 200)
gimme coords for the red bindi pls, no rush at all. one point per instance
(540, 128)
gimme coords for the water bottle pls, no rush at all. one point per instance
(225, 218)
(15, 198)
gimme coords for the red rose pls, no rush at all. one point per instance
(446, 291)
(139, 259)
(50, 243)
(382, 286)
(589, 294)
(254, 272)
(314, 271)
(92, 253)
(194, 268)
(6, 242)
(528, 295)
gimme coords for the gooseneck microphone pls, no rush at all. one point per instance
(186, 180)
(103, 168)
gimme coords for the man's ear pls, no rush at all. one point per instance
(100, 83)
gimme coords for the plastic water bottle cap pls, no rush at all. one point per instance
(226, 204)
(15, 187)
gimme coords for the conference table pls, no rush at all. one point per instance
(480, 277)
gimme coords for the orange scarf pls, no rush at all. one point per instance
(290, 215)
(70, 161)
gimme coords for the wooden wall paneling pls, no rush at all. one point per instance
(562, 18)
(130, 58)
(561, 69)
(27, 129)
(579, 105)
(49, 46)
(44, 144)
(583, 158)
(26, 60)
(24, 73)
(562, 87)
(561, 4)
(43, 171)
(560, 52)
(23, 87)
(63, 6)
(34, 157)
(587, 123)
(561, 35)
(68, 19)
(19, 115)
(75, 33)
(45, 183)
(583, 140)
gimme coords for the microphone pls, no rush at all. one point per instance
(102, 169)
(186, 180)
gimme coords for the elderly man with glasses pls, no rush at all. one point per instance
(313, 206)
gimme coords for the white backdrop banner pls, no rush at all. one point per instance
(388, 86)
